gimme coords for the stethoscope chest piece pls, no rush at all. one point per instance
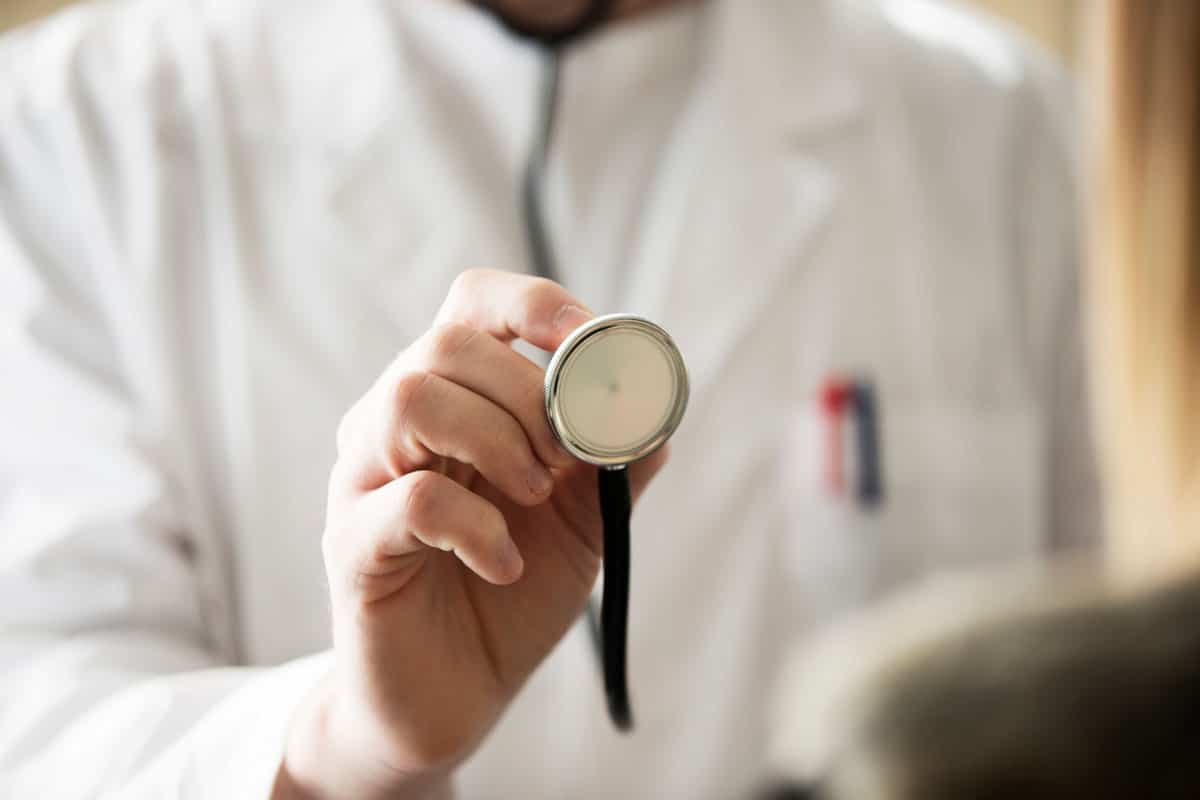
(616, 389)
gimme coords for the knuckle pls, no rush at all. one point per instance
(420, 497)
(544, 295)
(376, 554)
(465, 281)
(448, 339)
(397, 440)
(405, 391)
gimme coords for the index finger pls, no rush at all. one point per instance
(510, 306)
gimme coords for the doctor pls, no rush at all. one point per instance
(230, 404)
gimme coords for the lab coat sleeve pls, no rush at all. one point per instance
(108, 678)
(111, 683)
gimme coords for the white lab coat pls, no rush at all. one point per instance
(219, 220)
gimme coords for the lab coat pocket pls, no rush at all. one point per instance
(960, 487)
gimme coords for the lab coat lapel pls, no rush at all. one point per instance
(403, 206)
(745, 194)
(396, 228)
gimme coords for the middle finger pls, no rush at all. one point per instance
(485, 365)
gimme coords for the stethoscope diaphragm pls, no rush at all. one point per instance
(616, 389)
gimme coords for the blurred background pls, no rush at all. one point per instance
(1053, 22)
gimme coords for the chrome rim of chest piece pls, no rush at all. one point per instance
(616, 389)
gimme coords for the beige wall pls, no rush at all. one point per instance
(14, 12)
(1051, 21)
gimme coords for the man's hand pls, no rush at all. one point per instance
(461, 544)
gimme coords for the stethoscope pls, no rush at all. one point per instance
(615, 389)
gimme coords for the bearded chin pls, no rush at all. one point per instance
(594, 14)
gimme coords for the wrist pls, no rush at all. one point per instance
(320, 763)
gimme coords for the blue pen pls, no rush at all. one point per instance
(870, 471)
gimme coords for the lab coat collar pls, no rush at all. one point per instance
(747, 190)
(797, 56)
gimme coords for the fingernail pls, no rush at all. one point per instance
(571, 317)
(540, 481)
